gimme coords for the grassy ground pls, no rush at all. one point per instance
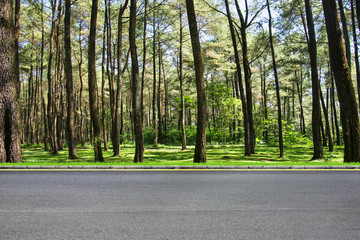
(173, 155)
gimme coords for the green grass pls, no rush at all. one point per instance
(173, 155)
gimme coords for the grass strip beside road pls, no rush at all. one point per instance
(164, 155)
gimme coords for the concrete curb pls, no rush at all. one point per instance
(202, 167)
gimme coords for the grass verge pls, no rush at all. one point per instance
(219, 155)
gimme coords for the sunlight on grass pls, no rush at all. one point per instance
(173, 155)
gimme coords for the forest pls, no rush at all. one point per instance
(102, 76)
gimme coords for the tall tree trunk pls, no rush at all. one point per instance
(316, 109)
(281, 143)
(357, 66)
(200, 147)
(345, 33)
(94, 110)
(159, 96)
(346, 93)
(110, 69)
(51, 125)
(69, 84)
(17, 34)
(247, 75)
(103, 103)
(154, 82)
(45, 117)
(136, 88)
(82, 117)
(10, 148)
(241, 87)
(56, 106)
(182, 111)
(144, 62)
(118, 110)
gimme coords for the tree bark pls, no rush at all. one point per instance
(182, 112)
(316, 109)
(103, 103)
(200, 147)
(345, 89)
(338, 139)
(136, 88)
(154, 82)
(345, 33)
(94, 110)
(357, 66)
(118, 110)
(45, 117)
(241, 87)
(49, 78)
(10, 148)
(281, 143)
(247, 75)
(159, 96)
(69, 84)
(327, 123)
(144, 62)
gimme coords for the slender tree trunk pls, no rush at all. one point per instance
(200, 147)
(281, 143)
(247, 75)
(103, 103)
(10, 148)
(51, 125)
(327, 124)
(118, 110)
(299, 90)
(69, 84)
(182, 112)
(159, 96)
(154, 82)
(238, 71)
(346, 93)
(345, 32)
(166, 98)
(136, 88)
(338, 139)
(110, 70)
(316, 109)
(144, 62)
(94, 110)
(45, 117)
(357, 66)
(82, 118)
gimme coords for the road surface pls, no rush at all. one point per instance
(180, 205)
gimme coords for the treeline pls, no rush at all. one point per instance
(156, 72)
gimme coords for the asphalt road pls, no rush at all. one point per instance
(180, 205)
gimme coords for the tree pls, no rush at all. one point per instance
(316, 109)
(346, 93)
(69, 84)
(117, 127)
(136, 88)
(281, 141)
(10, 149)
(94, 109)
(181, 80)
(200, 147)
(238, 71)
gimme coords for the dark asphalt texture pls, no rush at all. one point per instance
(180, 205)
